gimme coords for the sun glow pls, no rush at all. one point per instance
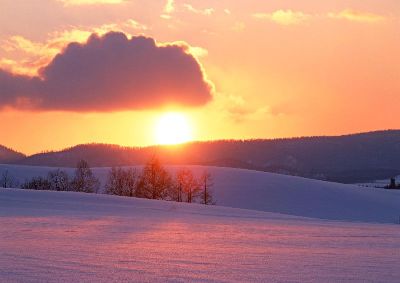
(173, 128)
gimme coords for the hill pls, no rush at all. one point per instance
(8, 155)
(347, 159)
(262, 191)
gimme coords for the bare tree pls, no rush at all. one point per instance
(131, 181)
(155, 182)
(59, 180)
(206, 182)
(7, 180)
(84, 180)
(122, 182)
(187, 184)
(114, 185)
(175, 192)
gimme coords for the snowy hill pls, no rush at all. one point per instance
(269, 192)
(75, 237)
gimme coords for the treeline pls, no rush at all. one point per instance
(58, 180)
(8, 155)
(153, 182)
(348, 159)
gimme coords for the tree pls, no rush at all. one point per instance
(175, 191)
(121, 182)
(36, 183)
(155, 182)
(114, 184)
(187, 184)
(131, 180)
(7, 180)
(59, 180)
(84, 180)
(206, 182)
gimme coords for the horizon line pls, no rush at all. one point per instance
(196, 141)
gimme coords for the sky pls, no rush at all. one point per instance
(80, 71)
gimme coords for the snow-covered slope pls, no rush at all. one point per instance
(75, 237)
(297, 196)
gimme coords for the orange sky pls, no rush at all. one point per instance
(280, 68)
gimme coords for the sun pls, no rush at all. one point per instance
(173, 128)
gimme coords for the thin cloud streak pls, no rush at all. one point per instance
(290, 17)
(284, 17)
(205, 12)
(357, 16)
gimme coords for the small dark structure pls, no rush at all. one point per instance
(392, 185)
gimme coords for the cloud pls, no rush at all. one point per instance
(290, 17)
(169, 8)
(206, 12)
(31, 56)
(239, 111)
(284, 17)
(89, 2)
(198, 52)
(357, 16)
(110, 73)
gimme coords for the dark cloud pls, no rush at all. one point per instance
(110, 73)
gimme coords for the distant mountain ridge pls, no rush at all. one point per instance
(8, 155)
(348, 159)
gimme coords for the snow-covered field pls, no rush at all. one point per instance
(247, 189)
(74, 237)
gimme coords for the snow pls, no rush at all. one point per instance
(267, 228)
(75, 237)
(269, 192)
